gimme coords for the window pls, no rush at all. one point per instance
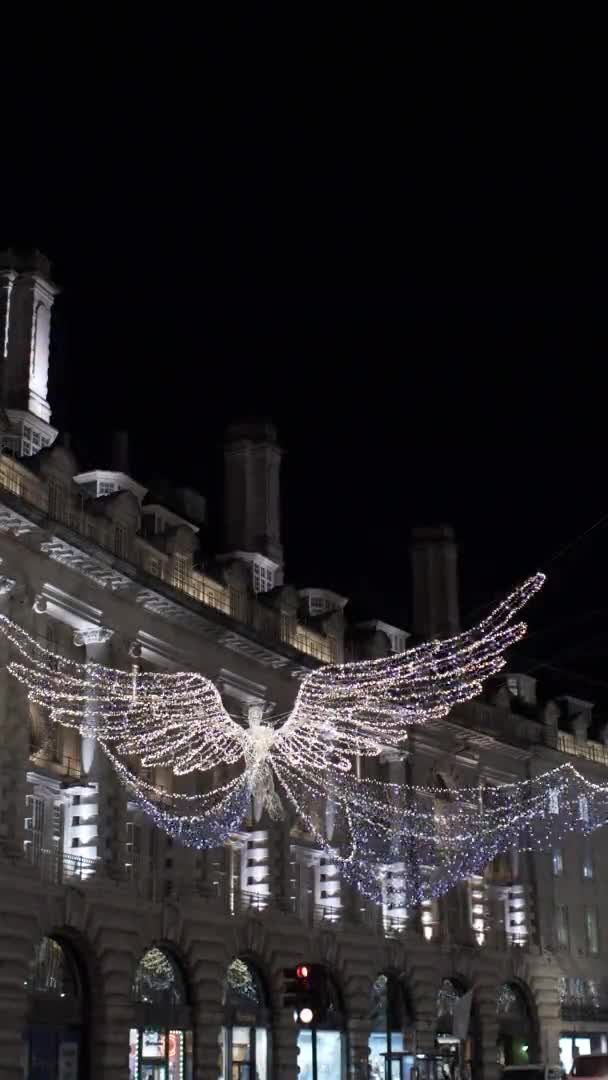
(561, 927)
(583, 809)
(120, 541)
(180, 572)
(591, 928)
(587, 864)
(158, 980)
(55, 499)
(317, 604)
(106, 487)
(553, 802)
(32, 441)
(558, 862)
(244, 1036)
(388, 1013)
(263, 577)
(51, 972)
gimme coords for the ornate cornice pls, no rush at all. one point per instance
(97, 635)
(7, 584)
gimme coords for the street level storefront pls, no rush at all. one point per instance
(55, 1043)
(457, 1028)
(391, 1029)
(322, 1047)
(161, 1043)
(584, 1012)
(517, 1030)
(245, 1039)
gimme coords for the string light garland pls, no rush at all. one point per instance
(178, 721)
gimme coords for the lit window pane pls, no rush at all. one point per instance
(261, 1053)
(592, 931)
(558, 862)
(329, 1053)
(305, 1055)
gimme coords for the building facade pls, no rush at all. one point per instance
(124, 955)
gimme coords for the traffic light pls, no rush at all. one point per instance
(304, 992)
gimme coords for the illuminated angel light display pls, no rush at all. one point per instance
(341, 712)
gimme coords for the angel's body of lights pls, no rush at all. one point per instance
(341, 714)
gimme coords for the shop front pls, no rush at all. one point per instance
(161, 1043)
(455, 1033)
(322, 1046)
(391, 1030)
(55, 1040)
(517, 1030)
(245, 1038)
(584, 1011)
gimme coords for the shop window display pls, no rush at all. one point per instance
(55, 1037)
(389, 1016)
(321, 1048)
(516, 1035)
(244, 1038)
(160, 1047)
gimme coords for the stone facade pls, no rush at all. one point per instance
(95, 566)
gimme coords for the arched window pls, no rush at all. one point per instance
(456, 1023)
(160, 1046)
(55, 1037)
(158, 980)
(245, 1037)
(516, 1030)
(321, 1049)
(390, 1015)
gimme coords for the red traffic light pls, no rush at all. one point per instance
(302, 971)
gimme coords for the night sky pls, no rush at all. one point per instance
(388, 238)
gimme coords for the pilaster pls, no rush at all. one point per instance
(285, 1045)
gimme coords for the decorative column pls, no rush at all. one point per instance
(96, 642)
(394, 910)
(95, 818)
(485, 1031)
(285, 1044)
(112, 1007)
(358, 1043)
(14, 733)
(423, 983)
(17, 938)
(207, 983)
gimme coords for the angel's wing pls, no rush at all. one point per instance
(360, 707)
(176, 720)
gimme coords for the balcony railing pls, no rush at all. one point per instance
(592, 751)
(584, 1012)
(19, 481)
(311, 643)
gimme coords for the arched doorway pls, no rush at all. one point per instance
(160, 1045)
(456, 1025)
(322, 1048)
(245, 1036)
(55, 1040)
(516, 1029)
(390, 1016)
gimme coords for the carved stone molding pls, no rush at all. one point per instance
(97, 635)
(40, 604)
(7, 585)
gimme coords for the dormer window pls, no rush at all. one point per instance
(263, 577)
(318, 604)
(398, 642)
